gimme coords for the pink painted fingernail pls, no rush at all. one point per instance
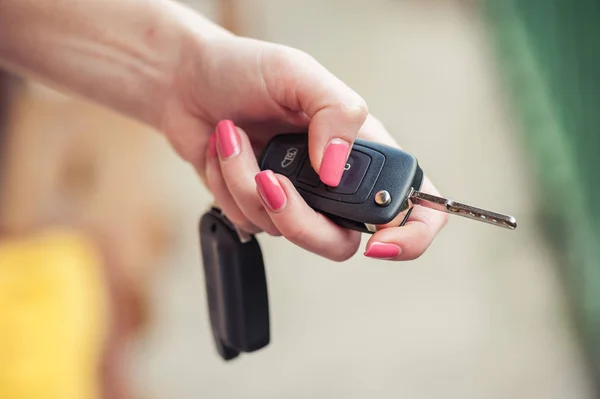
(270, 190)
(227, 139)
(212, 146)
(334, 162)
(382, 250)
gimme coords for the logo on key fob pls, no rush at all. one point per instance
(289, 157)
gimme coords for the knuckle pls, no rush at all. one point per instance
(258, 208)
(237, 184)
(346, 251)
(238, 220)
(345, 255)
(250, 228)
(269, 228)
(355, 111)
(265, 223)
(273, 232)
(296, 234)
(236, 187)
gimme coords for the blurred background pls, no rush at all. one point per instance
(497, 99)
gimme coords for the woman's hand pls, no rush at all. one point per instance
(164, 64)
(235, 94)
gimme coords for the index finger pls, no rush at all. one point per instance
(411, 240)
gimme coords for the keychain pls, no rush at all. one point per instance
(236, 286)
(379, 184)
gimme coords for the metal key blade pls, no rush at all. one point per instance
(468, 211)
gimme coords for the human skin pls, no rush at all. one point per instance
(218, 98)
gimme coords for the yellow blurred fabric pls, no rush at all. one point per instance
(53, 317)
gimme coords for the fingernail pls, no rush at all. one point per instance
(270, 190)
(212, 146)
(382, 250)
(227, 139)
(334, 162)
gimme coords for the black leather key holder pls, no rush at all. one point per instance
(236, 286)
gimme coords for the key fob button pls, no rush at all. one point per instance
(371, 167)
(308, 175)
(285, 157)
(356, 168)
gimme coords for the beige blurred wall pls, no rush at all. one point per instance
(481, 315)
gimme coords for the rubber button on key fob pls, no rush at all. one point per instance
(285, 157)
(308, 175)
(356, 168)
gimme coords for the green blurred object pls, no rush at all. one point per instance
(549, 51)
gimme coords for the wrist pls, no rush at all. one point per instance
(174, 33)
(195, 40)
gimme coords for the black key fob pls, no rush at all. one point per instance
(236, 286)
(379, 184)
(376, 186)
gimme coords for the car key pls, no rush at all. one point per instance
(379, 183)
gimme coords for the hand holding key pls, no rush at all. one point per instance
(311, 229)
(287, 91)
(182, 74)
(380, 185)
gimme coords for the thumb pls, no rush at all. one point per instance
(299, 83)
